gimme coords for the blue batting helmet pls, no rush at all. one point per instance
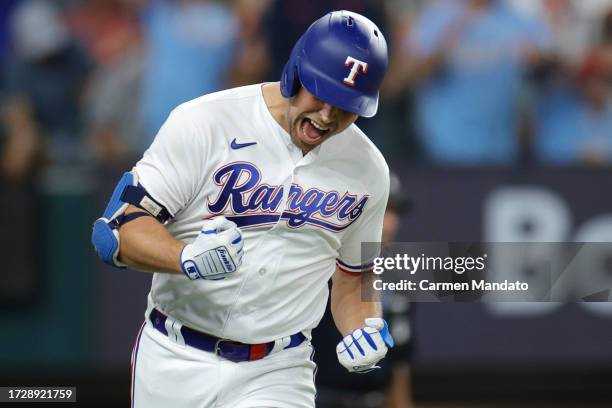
(341, 59)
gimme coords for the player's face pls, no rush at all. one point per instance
(311, 121)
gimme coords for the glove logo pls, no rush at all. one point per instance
(356, 66)
(227, 263)
(191, 270)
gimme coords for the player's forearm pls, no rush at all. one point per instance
(348, 309)
(147, 246)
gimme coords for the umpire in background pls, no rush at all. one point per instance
(389, 386)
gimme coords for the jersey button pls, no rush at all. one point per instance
(262, 271)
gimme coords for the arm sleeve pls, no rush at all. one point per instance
(171, 168)
(353, 257)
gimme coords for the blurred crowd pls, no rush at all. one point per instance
(471, 82)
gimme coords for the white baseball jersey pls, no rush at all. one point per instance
(224, 154)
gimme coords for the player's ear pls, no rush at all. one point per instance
(296, 82)
(297, 85)
(290, 81)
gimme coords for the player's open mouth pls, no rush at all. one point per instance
(312, 132)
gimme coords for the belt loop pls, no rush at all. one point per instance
(280, 344)
(173, 327)
(216, 349)
(150, 308)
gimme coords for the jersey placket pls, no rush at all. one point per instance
(274, 242)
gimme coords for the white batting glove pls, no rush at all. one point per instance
(215, 253)
(359, 351)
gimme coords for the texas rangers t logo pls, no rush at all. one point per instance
(356, 66)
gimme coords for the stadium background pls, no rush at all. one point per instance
(506, 154)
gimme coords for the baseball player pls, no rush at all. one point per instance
(246, 204)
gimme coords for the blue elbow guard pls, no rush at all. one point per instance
(104, 237)
(106, 242)
(105, 234)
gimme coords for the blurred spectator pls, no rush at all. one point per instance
(402, 16)
(6, 7)
(44, 83)
(105, 27)
(575, 124)
(113, 103)
(606, 30)
(392, 129)
(251, 62)
(573, 24)
(190, 45)
(470, 57)
(111, 32)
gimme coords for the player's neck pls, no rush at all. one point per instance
(276, 103)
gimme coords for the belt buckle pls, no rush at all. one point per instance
(236, 354)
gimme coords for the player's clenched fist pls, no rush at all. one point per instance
(362, 349)
(215, 253)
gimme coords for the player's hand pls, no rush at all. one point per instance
(362, 349)
(215, 253)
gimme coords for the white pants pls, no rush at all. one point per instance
(169, 375)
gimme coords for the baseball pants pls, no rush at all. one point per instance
(167, 374)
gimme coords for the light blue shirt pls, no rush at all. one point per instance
(567, 129)
(468, 113)
(190, 47)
